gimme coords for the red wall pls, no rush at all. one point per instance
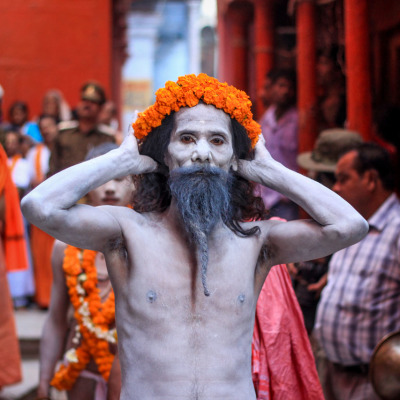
(46, 44)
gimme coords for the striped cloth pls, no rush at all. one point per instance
(361, 302)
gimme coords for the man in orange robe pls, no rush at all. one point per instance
(42, 243)
(12, 257)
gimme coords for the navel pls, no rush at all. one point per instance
(151, 296)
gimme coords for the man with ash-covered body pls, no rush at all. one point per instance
(186, 270)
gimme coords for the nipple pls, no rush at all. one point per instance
(151, 296)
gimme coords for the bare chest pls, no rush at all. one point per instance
(166, 323)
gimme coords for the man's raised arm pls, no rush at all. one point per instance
(52, 205)
(335, 223)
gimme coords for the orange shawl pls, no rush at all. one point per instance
(13, 234)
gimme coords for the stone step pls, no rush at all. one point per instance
(26, 389)
(29, 324)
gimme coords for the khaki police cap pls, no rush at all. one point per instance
(92, 91)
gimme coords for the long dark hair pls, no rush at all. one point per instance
(152, 193)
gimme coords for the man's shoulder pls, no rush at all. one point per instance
(22, 163)
(393, 216)
(124, 214)
(67, 126)
(291, 115)
(388, 214)
(264, 225)
(106, 130)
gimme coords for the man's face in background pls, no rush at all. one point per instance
(282, 92)
(88, 109)
(117, 192)
(48, 129)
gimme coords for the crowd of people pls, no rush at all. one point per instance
(348, 294)
(348, 299)
(40, 147)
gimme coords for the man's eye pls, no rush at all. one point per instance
(186, 139)
(217, 141)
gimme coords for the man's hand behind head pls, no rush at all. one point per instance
(262, 159)
(139, 164)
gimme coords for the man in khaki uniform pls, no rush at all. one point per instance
(76, 138)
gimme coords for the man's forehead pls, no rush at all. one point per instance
(202, 114)
(346, 162)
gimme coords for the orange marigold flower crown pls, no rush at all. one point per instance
(187, 92)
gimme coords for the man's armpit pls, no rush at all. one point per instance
(264, 257)
(117, 244)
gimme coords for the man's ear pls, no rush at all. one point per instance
(371, 177)
(234, 164)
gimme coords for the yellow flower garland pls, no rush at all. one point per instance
(187, 92)
(94, 319)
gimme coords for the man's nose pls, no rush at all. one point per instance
(202, 152)
(110, 187)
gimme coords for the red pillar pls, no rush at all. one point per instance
(306, 74)
(359, 109)
(263, 44)
(223, 42)
(238, 19)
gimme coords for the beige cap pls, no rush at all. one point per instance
(330, 144)
(93, 91)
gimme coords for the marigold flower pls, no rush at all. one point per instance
(187, 92)
(95, 319)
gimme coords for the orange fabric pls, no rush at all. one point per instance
(41, 247)
(38, 168)
(283, 365)
(14, 162)
(10, 358)
(16, 257)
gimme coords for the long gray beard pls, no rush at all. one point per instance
(203, 196)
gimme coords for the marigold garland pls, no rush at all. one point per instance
(94, 319)
(187, 92)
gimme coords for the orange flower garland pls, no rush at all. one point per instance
(187, 92)
(94, 319)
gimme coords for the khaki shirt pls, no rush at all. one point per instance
(71, 145)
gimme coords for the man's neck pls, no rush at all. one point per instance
(86, 126)
(49, 145)
(173, 219)
(375, 203)
(281, 110)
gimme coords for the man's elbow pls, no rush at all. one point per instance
(355, 229)
(34, 208)
(363, 228)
